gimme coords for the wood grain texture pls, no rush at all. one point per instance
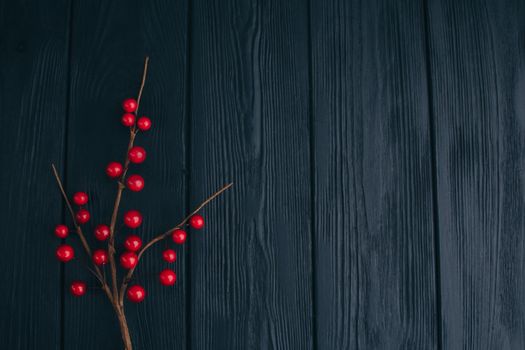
(374, 257)
(477, 65)
(251, 266)
(324, 116)
(110, 41)
(33, 85)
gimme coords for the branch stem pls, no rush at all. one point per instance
(162, 236)
(120, 189)
(144, 75)
(78, 229)
(114, 294)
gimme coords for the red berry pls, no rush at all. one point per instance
(114, 169)
(65, 252)
(179, 236)
(128, 119)
(136, 293)
(128, 260)
(197, 221)
(102, 232)
(169, 255)
(133, 243)
(100, 257)
(129, 105)
(80, 198)
(167, 277)
(135, 183)
(61, 231)
(144, 123)
(78, 288)
(83, 216)
(137, 154)
(133, 219)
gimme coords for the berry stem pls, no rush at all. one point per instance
(121, 186)
(124, 329)
(83, 240)
(162, 236)
(144, 74)
(114, 215)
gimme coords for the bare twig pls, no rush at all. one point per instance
(120, 189)
(59, 182)
(83, 240)
(162, 236)
(144, 74)
(112, 290)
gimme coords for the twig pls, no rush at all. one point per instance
(114, 292)
(144, 74)
(83, 240)
(111, 243)
(66, 199)
(120, 184)
(162, 236)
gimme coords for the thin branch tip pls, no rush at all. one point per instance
(162, 236)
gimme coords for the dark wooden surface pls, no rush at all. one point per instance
(376, 149)
(33, 89)
(115, 48)
(478, 100)
(251, 269)
(373, 195)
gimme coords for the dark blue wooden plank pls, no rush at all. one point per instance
(477, 64)
(110, 41)
(375, 262)
(251, 266)
(33, 85)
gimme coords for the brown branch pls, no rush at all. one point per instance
(121, 186)
(114, 215)
(199, 208)
(59, 182)
(83, 240)
(144, 74)
(162, 236)
(133, 133)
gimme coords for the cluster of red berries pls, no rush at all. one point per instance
(132, 219)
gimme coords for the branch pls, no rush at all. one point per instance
(162, 236)
(111, 243)
(83, 240)
(121, 186)
(144, 74)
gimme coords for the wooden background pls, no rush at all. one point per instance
(376, 149)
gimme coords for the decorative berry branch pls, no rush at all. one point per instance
(132, 219)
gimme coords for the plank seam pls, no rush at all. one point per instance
(433, 155)
(187, 166)
(311, 121)
(65, 147)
